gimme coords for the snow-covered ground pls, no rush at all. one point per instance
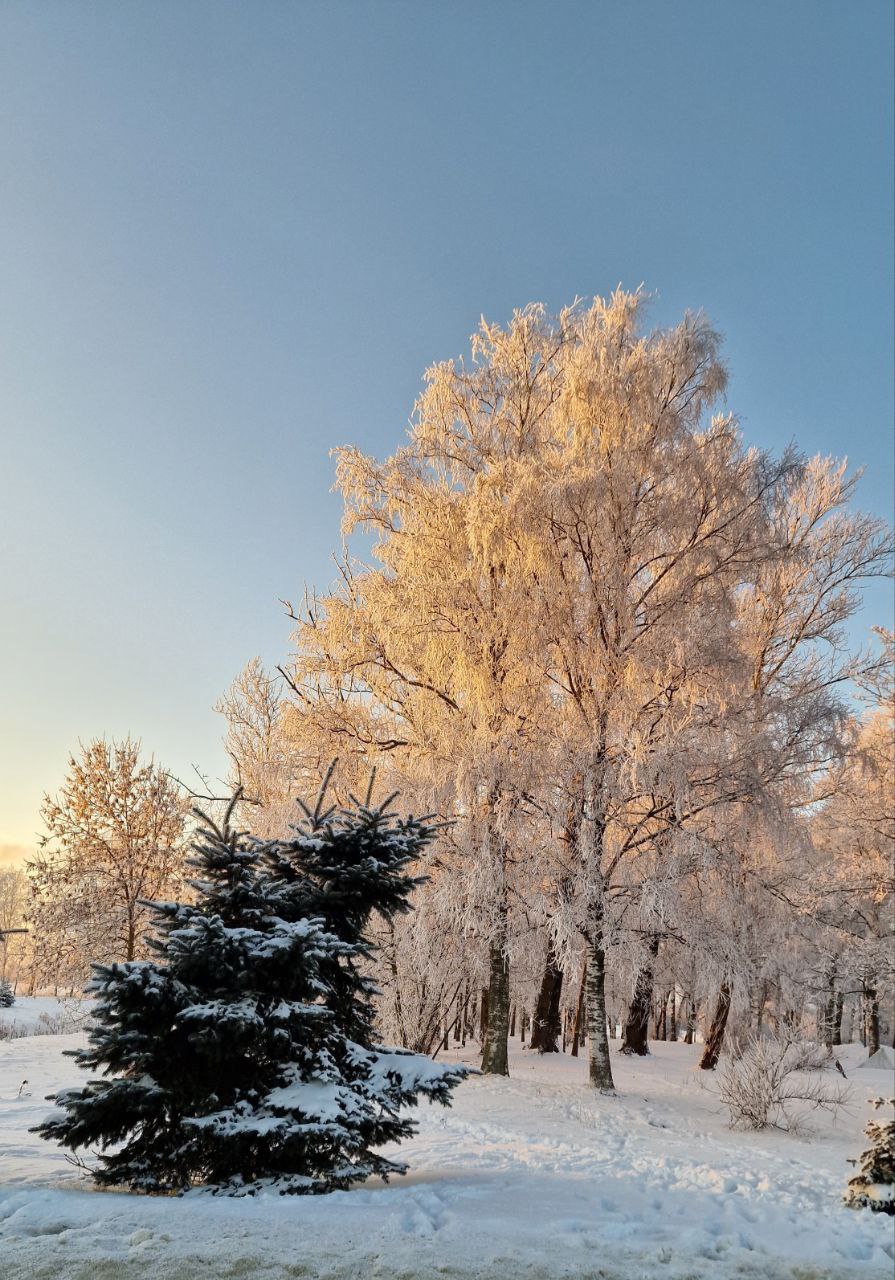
(534, 1176)
(38, 1015)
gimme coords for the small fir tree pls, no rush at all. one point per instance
(7, 995)
(874, 1187)
(341, 866)
(240, 1059)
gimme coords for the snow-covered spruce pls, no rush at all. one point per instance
(7, 995)
(874, 1187)
(244, 1056)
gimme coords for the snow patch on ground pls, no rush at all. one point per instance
(530, 1177)
(42, 1015)
(883, 1060)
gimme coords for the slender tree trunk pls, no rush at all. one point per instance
(672, 1014)
(712, 1051)
(587, 831)
(635, 1038)
(836, 1019)
(848, 1020)
(494, 1050)
(546, 1022)
(759, 1003)
(131, 931)
(872, 1019)
(483, 1015)
(826, 1010)
(599, 1065)
(662, 1028)
(613, 1027)
(579, 1011)
(495, 1058)
(692, 1014)
(512, 1021)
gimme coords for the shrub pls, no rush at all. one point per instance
(773, 1083)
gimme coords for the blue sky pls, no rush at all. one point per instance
(233, 236)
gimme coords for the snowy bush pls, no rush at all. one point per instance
(774, 1083)
(874, 1187)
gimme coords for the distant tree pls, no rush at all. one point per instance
(115, 839)
(13, 904)
(263, 768)
(852, 892)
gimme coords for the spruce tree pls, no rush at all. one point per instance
(7, 995)
(874, 1187)
(241, 1057)
(340, 866)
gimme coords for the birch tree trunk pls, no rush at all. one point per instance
(483, 1016)
(635, 1039)
(579, 1012)
(692, 1013)
(836, 1020)
(712, 1051)
(546, 1022)
(871, 1018)
(599, 1065)
(494, 1050)
(496, 1030)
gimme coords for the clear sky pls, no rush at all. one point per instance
(233, 236)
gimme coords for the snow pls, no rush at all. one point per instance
(534, 1176)
(883, 1059)
(42, 1015)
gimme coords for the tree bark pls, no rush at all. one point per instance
(495, 1058)
(836, 1019)
(826, 1010)
(712, 1051)
(494, 1051)
(758, 999)
(483, 1015)
(587, 837)
(599, 1065)
(662, 1027)
(546, 1022)
(672, 1015)
(635, 1038)
(579, 1011)
(131, 944)
(871, 1018)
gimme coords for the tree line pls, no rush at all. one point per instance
(582, 620)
